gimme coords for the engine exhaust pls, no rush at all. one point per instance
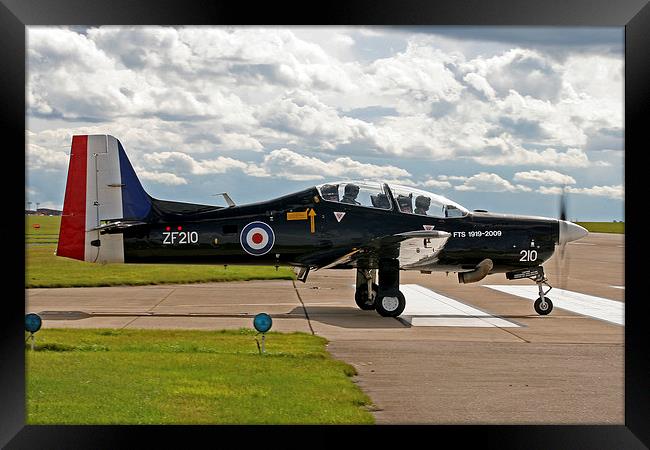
(481, 270)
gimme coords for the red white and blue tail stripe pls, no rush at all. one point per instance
(101, 186)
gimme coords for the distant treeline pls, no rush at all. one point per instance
(604, 227)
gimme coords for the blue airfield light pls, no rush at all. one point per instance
(33, 322)
(262, 322)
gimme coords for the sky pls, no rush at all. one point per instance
(495, 118)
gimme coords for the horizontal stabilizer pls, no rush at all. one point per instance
(117, 226)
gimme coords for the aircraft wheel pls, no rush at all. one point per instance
(361, 297)
(543, 308)
(390, 305)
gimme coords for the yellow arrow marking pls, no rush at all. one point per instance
(312, 214)
(301, 215)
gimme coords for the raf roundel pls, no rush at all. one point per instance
(257, 238)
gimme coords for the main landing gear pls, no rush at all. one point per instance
(543, 305)
(385, 298)
(367, 289)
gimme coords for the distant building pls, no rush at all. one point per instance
(43, 212)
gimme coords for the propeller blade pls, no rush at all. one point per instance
(563, 265)
(563, 205)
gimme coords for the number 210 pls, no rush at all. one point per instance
(528, 255)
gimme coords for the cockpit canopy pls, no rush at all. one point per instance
(371, 194)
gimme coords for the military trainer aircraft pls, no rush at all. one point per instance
(376, 228)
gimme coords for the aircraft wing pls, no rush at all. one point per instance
(414, 249)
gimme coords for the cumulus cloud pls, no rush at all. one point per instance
(236, 81)
(490, 182)
(452, 178)
(437, 184)
(614, 192)
(294, 166)
(525, 71)
(167, 178)
(222, 96)
(302, 114)
(418, 73)
(279, 163)
(518, 156)
(480, 84)
(77, 77)
(544, 177)
(41, 158)
(234, 141)
(185, 163)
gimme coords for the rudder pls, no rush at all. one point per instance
(101, 185)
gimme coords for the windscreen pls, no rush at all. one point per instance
(359, 193)
(415, 201)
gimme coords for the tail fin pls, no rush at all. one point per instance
(101, 185)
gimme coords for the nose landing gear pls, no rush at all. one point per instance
(543, 305)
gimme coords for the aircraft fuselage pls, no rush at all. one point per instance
(308, 231)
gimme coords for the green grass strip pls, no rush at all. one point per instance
(45, 270)
(188, 377)
(49, 225)
(604, 227)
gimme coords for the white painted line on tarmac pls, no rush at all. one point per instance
(618, 287)
(581, 243)
(587, 305)
(428, 308)
(230, 304)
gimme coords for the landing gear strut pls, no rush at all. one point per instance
(543, 305)
(367, 289)
(386, 297)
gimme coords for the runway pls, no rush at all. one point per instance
(459, 354)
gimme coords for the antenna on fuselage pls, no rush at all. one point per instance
(227, 198)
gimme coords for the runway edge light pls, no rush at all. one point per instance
(262, 323)
(33, 323)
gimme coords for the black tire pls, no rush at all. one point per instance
(538, 306)
(361, 297)
(385, 305)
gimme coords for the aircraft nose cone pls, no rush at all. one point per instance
(569, 231)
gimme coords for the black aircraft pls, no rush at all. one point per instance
(376, 228)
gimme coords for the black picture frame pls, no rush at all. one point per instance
(634, 15)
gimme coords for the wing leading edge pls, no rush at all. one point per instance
(416, 250)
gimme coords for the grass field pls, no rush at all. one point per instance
(604, 227)
(188, 377)
(47, 233)
(44, 269)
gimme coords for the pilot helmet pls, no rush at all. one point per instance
(404, 202)
(330, 192)
(351, 190)
(422, 202)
